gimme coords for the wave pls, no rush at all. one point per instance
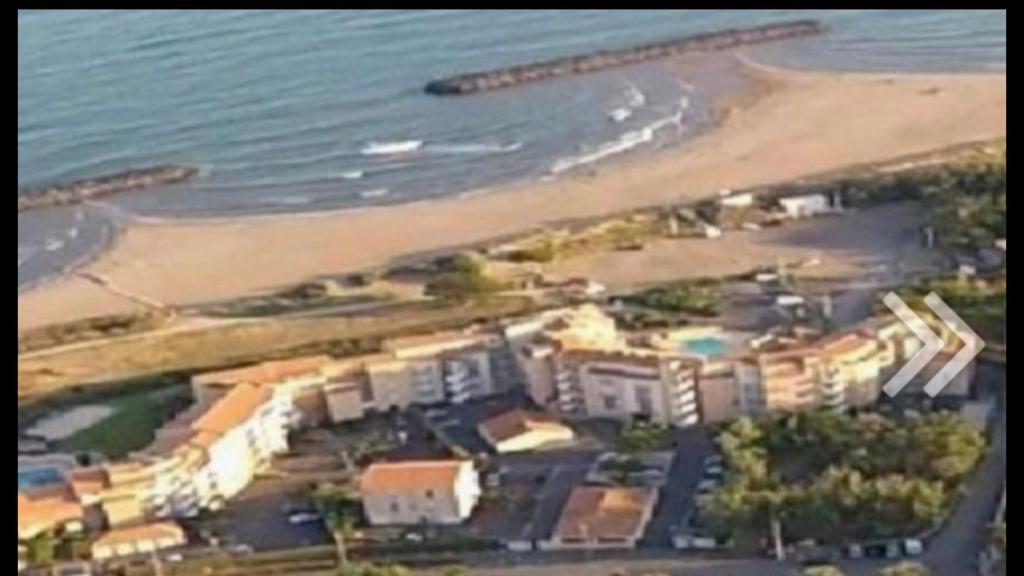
(636, 97)
(375, 193)
(620, 114)
(73, 233)
(25, 255)
(352, 175)
(473, 148)
(54, 244)
(627, 141)
(288, 201)
(390, 148)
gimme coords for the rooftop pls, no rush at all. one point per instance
(411, 476)
(517, 422)
(233, 409)
(159, 531)
(266, 372)
(43, 509)
(605, 513)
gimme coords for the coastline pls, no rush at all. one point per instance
(805, 122)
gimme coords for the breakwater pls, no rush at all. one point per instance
(546, 70)
(93, 188)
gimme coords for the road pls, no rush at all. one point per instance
(692, 446)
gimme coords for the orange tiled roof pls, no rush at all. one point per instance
(411, 476)
(145, 533)
(47, 508)
(266, 372)
(844, 343)
(233, 409)
(89, 480)
(605, 513)
(516, 422)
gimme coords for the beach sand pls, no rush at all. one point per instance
(805, 123)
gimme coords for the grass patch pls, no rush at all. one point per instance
(88, 330)
(694, 298)
(134, 423)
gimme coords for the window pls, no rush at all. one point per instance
(394, 508)
(644, 401)
(611, 403)
(430, 494)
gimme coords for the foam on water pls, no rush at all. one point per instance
(375, 193)
(473, 148)
(626, 141)
(391, 148)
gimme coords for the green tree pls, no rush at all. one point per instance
(339, 510)
(822, 571)
(42, 550)
(905, 569)
(641, 437)
(374, 570)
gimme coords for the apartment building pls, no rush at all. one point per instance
(790, 381)
(719, 389)
(439, 492)
(448, 367)
(583, 366)
(855, 367)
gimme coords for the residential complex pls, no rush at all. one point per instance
(571, 362)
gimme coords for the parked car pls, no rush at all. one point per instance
(300, 518)
(714, 460)
(707, 486)
(913, 547)
(714, 472)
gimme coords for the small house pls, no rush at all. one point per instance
(438, 492)
(521, 431)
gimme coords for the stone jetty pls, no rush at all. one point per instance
(94, 188)
(535, 72)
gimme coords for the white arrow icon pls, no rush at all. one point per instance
(973, 345)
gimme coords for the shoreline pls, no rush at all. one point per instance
(737, 152)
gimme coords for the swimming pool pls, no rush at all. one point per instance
(38, 477)
(707, 346)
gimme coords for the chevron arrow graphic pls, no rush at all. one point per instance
(973, 345)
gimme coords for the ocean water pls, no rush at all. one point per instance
(291, 111)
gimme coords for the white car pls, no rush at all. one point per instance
(714, 460)
(714, 471)
(913, 547)
(300, 518)
(707, 486)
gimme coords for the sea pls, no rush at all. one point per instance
(296, 111)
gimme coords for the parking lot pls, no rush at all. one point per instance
(263, 522)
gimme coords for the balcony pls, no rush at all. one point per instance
(686, 396)
(688, 408)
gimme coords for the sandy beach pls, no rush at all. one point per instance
(804, 123)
